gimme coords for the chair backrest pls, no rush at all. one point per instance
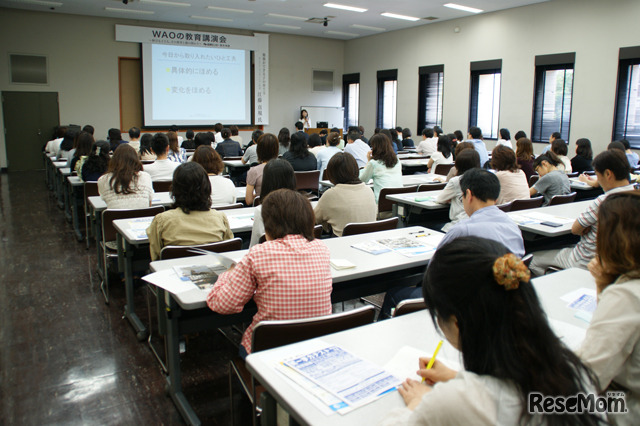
(442, 169)
(525, 204)
(161, 185)
(232, 158)
(307, 181)
(527, 259)
(108, 216)
(325, 175)
(229, 206)
(573, 174)
(257, 201)
(365, 227)
(506, 207)
(271, 334)
(408, 306)
(385, 205)
(563, 199)
(431, 186)
(147, 162)
(173, 252)
(533, 179)
(90, 190)
(317, 233)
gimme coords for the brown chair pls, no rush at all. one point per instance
(506, 207)
(308, 181)
(524, 204)
(147, 162)
(257, 201)
(273, 334)
(442, 169)
(365, 227)
(90, 190)
(174, 252)
(107, 244)
(385, 206)
(563, 199)
(325, 175)
(533, 179)
(228, 206)
(573, 175)
(317, 233)
(431, 186)
(409, 306)
(161, 185)
(232, 158)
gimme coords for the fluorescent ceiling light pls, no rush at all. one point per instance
(140, 12)
(288, 27)
(228, 9)
(464, 8)
(366, 27)
(341, 33)
(211, 18)
(166, 3)
(343, 7)
(277, 15)
(40, 2)
(395, 15)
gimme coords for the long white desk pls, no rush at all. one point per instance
(407, 180)
(529, 221)
(423, 200)
(380, 341)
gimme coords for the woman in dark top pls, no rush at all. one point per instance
(524, 155)
(299, 156)
(584, 154)
(284, 137)
(84, 142)
(97, 163)
(189, 143)
(407, 142)
(395, 141)
(115, 138)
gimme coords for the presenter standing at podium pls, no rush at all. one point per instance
(304, 119)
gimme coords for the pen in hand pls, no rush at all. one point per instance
(433, 358)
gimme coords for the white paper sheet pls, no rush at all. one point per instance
(570, 335)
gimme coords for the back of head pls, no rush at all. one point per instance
(191, 188)
(483, 184)
(277, 174)
(353, 129)
(173, 141)
(203, 138)
(583, 148)
(69, 140)
(134, 133)
(234, 130)
(256, 135)
(394, 135)
(268, 147)
(361, 129)
(504, 158)
(324, 132)
(556, 135)
(209, 159)
(376, 130)
(427, 133)
(353, 136)
(287, 212)
(226, 133)
(298, 146)
(89, 129)
(475, 132)
(159, 143)
(524, 149)
(314, 140)
(114, 134)
(189, 134)
(444, 145)
(333, 139)
(98, 160)
(382, 150)
(145, 144)
(614, 160)
(60, 131)
(504, 134)
(335, 129)
(462, 146)
(459, 135)
(343, 168)
(519, 135)
(284, 137)
(559, 147)
(616, 145)
(406, 133)
(84, 143)
(299, 125)
(218, 127)
(124, 166)
(625, 143)
(467, 159)
(173, 128)
(399, 129)
(550, 157)
(387, 133)
(437, 130)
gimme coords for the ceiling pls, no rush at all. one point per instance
(254, 15)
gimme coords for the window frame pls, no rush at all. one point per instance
(477, 69)
(347, 80)
(424, 74)
(628, 57)
(383, 77)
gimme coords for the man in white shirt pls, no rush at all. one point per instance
(134, 138)
(218, 133)
(429, 143)
(53, 146)
(161, 169)
(356, 147)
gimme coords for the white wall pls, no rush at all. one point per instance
(83, 67)
(594, 29)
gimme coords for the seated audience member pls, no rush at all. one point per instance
(191, 221)
(467, 159)
(505, 138)
(300, 130)
(217, 136)
(513, 181)
(288, 276)
(115, 138)
(89, 129)
(519, 135)
(84, 143)
(437, 131)
(174, 128)
(223, 191)
(298, 155)
(553, 137)
(631, 156)
(341, 143)
(364, 139)
(228, 147)
(524, 156)
(553, 181)
(453, 140)
(125, 186)
(284, 138)
(399, 130)
(315, 144)
(357, 148)
(443, 155)
(53, 146)
(267, 150)
(612, 171)
(459, 148)
(559, 148)
(383, 166)
(349, 201)
(323, 136)
(204, 138)
(234, 134)
(251, 154)
(611, 347)
(146, 152)
(175, 154)
(65, 153)
(324, 156)
(481, 298)
(189, 143)
(617, 145)
(134, 138)
(396, 143)
(480, 190)
(161, 169)
(278, 174)
(429, 143)
(96, 163)
(407, 142)
(475, 137)
(584, 155)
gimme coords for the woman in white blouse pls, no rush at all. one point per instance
(443, 154)
(223, 191)
(125, 185)
(505, 138)
(513, 181)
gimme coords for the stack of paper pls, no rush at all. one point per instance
(411, 245)
(138, 228)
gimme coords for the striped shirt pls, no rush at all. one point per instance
(288, 278)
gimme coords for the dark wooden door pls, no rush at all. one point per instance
(29, 121)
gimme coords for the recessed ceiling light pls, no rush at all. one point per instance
(341, 33)
(277, 15)
(464, 8)
(366, 27)
(211, 18)
(343, 7)
(140, 12)
(166, 3)
(228, 9)
(395, 15)
(288, 27)
(40, 2)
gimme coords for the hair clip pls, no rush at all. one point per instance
(509, 270)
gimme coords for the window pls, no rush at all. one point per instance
(627, 115)
(351, 99)
(387, 99)
(430, 90)
(484, 105)
(552, 101)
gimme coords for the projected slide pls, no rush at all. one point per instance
(195, 85)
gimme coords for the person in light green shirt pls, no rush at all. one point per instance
(383, 166)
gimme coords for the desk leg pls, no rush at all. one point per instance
(66, 189)
(76, 206)
(59, 188)
(97, 231)
(129, 308)
(174, 380)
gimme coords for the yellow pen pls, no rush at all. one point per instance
(433, 357)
